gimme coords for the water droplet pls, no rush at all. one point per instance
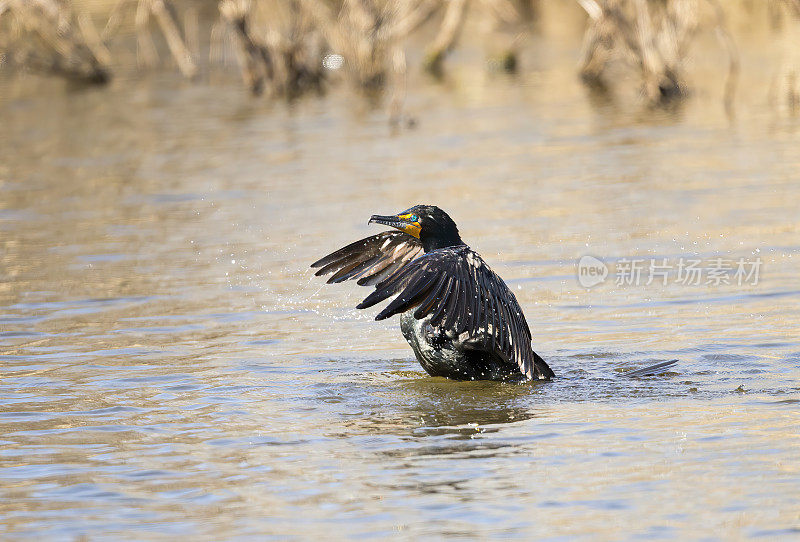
(333, 61)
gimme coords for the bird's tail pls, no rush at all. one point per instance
(658, 368)
(541, 368)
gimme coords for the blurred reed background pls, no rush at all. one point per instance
(283, 49)
(171, 368)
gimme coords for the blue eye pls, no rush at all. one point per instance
(414, 218)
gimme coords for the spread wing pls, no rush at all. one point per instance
(462, 295)
(370, 260)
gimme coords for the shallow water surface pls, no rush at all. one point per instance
(171, 366)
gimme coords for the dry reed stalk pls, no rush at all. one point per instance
(528, 10)
(443, 43)
(399, 69)
(367, 32)
(503, 23)
(727, 41)
(165, 16)
(784, 90)
(654, 36)
(48, 36)
(776, 10)
(288, 60)
(255, 60)
(369, 36)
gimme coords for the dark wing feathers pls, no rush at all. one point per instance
(488, 312)
(388, 287)
(465, 295)
(372, 259)
(418, 286)
(449, 307)
(349, 270)
(452, 285)
(437, 311)
(433, 297)
(382, 270)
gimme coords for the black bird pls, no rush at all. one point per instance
(459, 317)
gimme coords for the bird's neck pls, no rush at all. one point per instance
(449, 239)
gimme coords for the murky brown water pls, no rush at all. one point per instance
(171, 367)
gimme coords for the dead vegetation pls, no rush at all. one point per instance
(653, 37)
(784, 91)
(369, 35)
(286, 58)
(503, 24)
(165, 15)
(453, 21)
(47, 36)
(297, 46)
(286, 48)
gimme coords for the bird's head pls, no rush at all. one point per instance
(432, 226)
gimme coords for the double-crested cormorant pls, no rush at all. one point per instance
(459, 317)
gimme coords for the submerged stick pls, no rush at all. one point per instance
(658, 368)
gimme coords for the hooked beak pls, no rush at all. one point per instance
(400, 222)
